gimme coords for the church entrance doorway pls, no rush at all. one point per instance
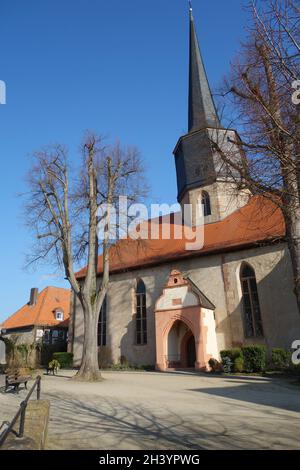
(185, 333)
(181, 347)
(191, 352)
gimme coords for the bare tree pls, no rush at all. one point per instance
(62, 210)
(258, 94)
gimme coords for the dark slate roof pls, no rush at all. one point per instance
(204, 301)
(202, 110)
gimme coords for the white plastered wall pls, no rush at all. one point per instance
(211, 340)
(170, 295)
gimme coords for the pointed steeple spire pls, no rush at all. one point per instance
(202, 111)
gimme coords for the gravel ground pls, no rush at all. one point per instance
(149, 410)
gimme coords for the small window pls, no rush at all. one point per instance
(206, 203)
(59, 315)
(102, 324)
(141, 313)
(251, 308)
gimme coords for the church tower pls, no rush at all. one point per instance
(201, 174)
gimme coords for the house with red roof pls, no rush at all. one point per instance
(44, 318)
(171, 306)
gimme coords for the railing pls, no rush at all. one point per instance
(20, 414)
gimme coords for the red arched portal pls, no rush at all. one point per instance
(180, 351)
(188, 350)
(178, 312)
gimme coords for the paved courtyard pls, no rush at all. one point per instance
(148, 410)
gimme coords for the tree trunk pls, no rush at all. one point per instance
(293, 240)
(89, 369)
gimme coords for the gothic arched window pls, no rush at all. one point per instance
(205, 199)
(141, 313)
(102, 324)
(251, 309)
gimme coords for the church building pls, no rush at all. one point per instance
(170, 307)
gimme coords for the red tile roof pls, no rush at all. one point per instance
(258, 222)
(43, 312)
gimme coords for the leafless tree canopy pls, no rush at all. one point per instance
(258, 93)
(62, 212)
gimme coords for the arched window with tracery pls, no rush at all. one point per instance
(205, 199)
(251, 309)
(141, 313)
(102, 324)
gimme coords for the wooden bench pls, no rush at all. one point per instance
(15, 379)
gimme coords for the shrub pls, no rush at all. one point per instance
(238, 365)
(280, 358)
(231, 353)
(255, 358)
(64, 358)
(54, 364)
(227, 364)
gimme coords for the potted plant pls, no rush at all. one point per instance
(53, 366)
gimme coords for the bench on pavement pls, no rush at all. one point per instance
(14, 379)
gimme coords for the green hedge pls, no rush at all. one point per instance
(233, 353)
(235, 356)
(64, 358)
(280, 358)
(227, 364)
(255, 358)
(238, 365)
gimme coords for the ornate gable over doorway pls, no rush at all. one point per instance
(177, 294)
(182, 292)
(184, 325)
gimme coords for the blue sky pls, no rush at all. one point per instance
(117, 67)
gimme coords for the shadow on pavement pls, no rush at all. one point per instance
(261, 393)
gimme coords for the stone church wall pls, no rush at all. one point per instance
(218, 278)
(280, 318)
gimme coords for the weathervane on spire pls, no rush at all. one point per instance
(191, 7)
